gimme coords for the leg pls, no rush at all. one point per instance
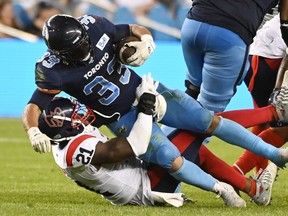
(184, 112)
(218, 66)
(247, 161)
(260, 81)
(163, 153)
(237, 135)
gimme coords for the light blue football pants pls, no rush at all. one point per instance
(184, 112)
(216, 60)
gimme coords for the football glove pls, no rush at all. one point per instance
(40, 142)
(146, 104)
(149, 86)
(144, 49)
(284, 30)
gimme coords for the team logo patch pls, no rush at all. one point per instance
(102, 42)
(53, 122)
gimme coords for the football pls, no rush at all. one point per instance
(123, 52)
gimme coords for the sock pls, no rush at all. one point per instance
(191, 174)
(256, 116)
(220, 170)
(257, 129)
(252, 190)
(272, 137)
(235, 134)
(248, 160)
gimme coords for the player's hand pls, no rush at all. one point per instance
(39, 141)
(144, 49)
(147, 85)
(146, 104)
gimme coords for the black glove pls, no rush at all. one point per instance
(284, 30)
(146, 104)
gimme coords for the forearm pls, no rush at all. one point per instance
(138, 31)
(283, 8)
(140, 134)
(30, 116)
(283, 67)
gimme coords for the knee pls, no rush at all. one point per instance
(214, 124)
(166, 156)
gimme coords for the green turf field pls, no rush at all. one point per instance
(31, 184)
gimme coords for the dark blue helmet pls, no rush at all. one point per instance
(67, 38)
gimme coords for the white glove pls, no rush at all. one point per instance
(148, 85)
(39, 141)
(144, 49)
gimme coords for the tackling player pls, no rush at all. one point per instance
(109, 167)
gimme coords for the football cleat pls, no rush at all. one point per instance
(264, 183)
(283, 152)
(229, 195)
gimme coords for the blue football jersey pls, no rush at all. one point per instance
(242, 17)
(100, 83)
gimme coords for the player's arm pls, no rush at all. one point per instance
(283, 8)
(121, 148)
(144, 48)
(281, 71)
(138, 31)
(279, 80)
(39, 141)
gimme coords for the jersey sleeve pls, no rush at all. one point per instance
(81, 150)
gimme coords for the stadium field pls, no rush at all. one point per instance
(32, 184)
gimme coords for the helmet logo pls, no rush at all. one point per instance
(55, 122)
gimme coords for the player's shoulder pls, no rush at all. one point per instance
(92, 21)
(81, 149)
(48, 61)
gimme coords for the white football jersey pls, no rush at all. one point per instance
(268, 41)
(120, 183)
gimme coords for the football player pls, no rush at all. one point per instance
(215, 38)
(81, 61)
(110, 168)
(269, 62)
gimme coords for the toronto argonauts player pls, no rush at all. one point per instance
(81, 61)
(215, 38)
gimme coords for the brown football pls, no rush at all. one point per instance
(126, 52)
